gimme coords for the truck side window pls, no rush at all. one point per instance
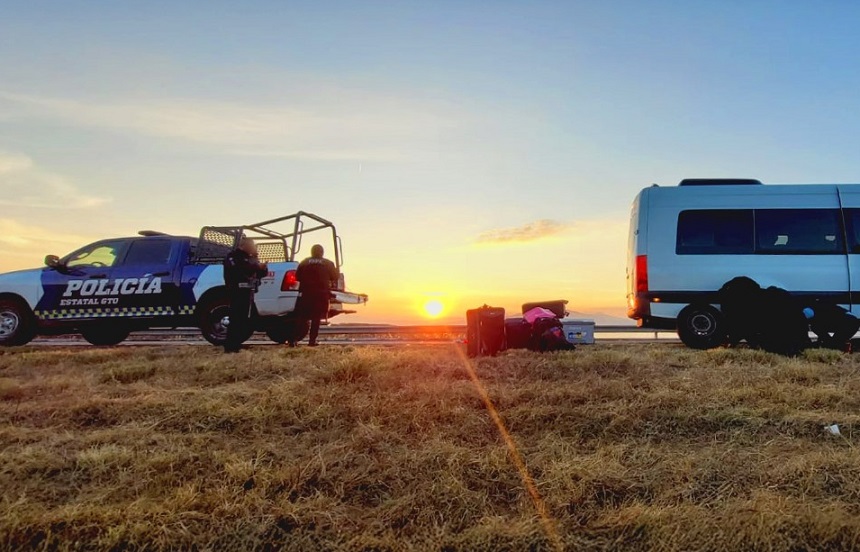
(715, 232)
(799, 232)
(148, 252)
(102, 254)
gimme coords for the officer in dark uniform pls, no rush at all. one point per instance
(242, 273)
(317, 276)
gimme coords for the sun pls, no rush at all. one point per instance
(433, 308)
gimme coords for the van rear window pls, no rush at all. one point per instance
(715, 232)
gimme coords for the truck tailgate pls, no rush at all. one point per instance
(348, 298)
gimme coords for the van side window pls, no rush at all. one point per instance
(715, 232)
(852, 229)
(798, 232)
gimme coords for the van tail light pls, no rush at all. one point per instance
(642, 274)
(290, 282)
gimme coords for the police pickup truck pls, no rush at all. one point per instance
(112, 287)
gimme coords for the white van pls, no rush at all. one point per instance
(686, 241)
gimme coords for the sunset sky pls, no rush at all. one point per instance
(470, 152)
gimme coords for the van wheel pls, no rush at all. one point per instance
(105, 335)
(17, 323)
(701, 327)
(288, 330)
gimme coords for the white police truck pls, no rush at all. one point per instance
(112, 287)
(686, 241)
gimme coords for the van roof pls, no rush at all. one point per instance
(719, 182)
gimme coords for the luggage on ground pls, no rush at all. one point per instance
(485, 331)
(548, 335)
(517, 333)
(533, 315)
(558, 307)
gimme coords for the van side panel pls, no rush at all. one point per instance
(676, 280)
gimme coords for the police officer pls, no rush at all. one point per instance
(242, 273)
(317, 276)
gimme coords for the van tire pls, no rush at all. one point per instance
(17, 323)
(701, 327)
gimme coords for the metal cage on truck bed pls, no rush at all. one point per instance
(273, 245)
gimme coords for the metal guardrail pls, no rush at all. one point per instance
(383, 330)
(460, 329)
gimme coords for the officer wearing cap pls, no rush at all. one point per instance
(242, 273)
(317, 276)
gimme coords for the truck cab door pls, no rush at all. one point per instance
(146, 281)
(80, 287)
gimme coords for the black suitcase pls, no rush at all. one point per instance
(548, 335)
(517, 333)
(558, 307)
(485, 331)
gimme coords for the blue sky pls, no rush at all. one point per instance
(418, 127)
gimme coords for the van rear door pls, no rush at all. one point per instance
(637, 304)
(850, 197)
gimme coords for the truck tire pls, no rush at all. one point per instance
(17, 323)
(288, 329)
(105, 335)
(701, 327)
(213, 317)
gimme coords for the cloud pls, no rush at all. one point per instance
(25, 245)
(532, 231)
(343, 127)
(24, 184)
(17, 235)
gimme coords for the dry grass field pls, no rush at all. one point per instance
(636, 447)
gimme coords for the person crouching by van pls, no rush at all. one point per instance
(833, 325)
(741, 305)
(317, 276)
(771, 319)
(784, 328)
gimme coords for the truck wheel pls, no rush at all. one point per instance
(105, 335)
(213, 317)
(17, 324)
(288, 330)
(701, 327)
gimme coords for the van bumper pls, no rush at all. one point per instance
(639, 307)
(657, 323)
